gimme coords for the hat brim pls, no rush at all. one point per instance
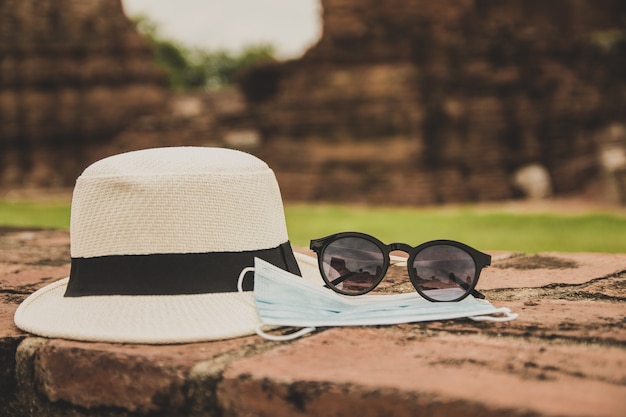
(152, 319)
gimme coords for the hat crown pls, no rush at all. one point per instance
(176, 200)
(175, 161)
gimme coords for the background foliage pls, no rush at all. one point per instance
(196, 68)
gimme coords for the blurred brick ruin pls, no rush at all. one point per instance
(72, 74)
(420, 101)
(401, 101)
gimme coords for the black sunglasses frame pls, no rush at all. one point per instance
(481, 260)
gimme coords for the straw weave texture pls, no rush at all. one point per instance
(137, 319)
(176, 200)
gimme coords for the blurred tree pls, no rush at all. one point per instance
(195, 68)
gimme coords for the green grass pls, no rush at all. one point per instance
(35, 214)
(485, 229)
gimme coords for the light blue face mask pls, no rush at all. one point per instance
(285, 299)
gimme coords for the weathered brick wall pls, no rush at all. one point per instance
(466, 92)
(72, 73)
(402, 101)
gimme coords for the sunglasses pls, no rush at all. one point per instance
(354, 263)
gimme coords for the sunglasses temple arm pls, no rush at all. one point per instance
(340, 279)
(475, 293)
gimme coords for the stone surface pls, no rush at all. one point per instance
(563, 356)
(380, 371)
(592, 322)
(550, 269)
(134, 377)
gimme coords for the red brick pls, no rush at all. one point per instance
(585, 266)
(8, 268)
(135, 377)
(28, 278)
(579, 321)
(42, 247)
(8, 305)
(390, 372)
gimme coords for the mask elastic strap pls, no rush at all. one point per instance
(259, 331)
(507, 315)
(242, 275)
(283, 337)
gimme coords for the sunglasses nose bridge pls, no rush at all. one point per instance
(401, 247)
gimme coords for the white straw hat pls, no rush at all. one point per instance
(158, 239)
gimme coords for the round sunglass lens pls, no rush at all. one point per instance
(353, 265)
(444, 272)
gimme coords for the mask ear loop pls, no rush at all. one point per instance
(283, 337)
(242, 275)
(507, 316)
(259, 331)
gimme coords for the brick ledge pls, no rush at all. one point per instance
(564, 356)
